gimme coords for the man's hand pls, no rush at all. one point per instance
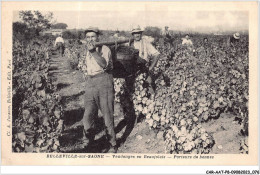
(91, 46)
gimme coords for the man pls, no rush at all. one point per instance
(166, 32)
(204, 47)
(99, 90)
(187, 41)
(60, 44)
(234, 39)
(205, 41)
(146, 49)
(167, 36)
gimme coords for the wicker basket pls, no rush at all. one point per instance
(124, 61)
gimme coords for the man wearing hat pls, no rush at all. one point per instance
(99, 90)
(233, 39)
(146, 49)
(60, 44)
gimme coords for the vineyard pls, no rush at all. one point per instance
(37, 112)
(193, 90)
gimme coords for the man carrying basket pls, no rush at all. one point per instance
(99, 90)
(146, 51)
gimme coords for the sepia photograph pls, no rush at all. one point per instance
(126, 82)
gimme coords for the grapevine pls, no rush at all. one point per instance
(37, 112)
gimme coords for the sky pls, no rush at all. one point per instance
(201, 21)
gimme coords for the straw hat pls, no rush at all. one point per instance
(136, 29)
(236, 35)
(93, 29)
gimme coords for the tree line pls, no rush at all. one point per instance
(32, 23)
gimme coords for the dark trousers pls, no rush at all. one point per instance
(99, 94)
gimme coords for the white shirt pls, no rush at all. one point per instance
(186, 41)
(92, 66)
(145, 48)
(58, 40)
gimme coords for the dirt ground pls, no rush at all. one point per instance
(131, 138)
